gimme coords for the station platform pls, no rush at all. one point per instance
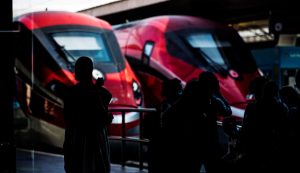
(31, 161)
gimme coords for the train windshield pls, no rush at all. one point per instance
(207, 46)
(218, 50)
(77, 44)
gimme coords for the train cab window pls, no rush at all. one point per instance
(179, 49)
(217, 49)
(76, 44)
(207, 46)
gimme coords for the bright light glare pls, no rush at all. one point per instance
(25, 6)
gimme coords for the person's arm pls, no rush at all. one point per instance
(221, 105)
(67, 110)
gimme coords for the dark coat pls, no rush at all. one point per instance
(86, 147)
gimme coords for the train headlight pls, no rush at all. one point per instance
(250, 96)
(97, 74)
(137, 93)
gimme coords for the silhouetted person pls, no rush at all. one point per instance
(203, 103)
(160, 131)
(256, 89)
(247, 135)
(291, 98)
(106, 96)
(86, 148)
(266, 132)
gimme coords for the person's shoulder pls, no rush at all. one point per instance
(106, 91)
(69, 93)
(73, 88)
(70, 90)
(283, 106)
(251, 105)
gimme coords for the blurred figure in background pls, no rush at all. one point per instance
(106, 97)
(159, 128)
(264, 131)
(105, 93)
(291, 98)
(247, 135)
(201, 104)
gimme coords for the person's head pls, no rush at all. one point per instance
(83, 69)
(191, 88)
(172, 88)
(256, 86)
(210, 80)
(270, 89)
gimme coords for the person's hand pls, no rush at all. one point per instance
(100, 82)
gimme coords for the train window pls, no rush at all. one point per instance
(178, 48)
(76, 44)
(217, 49)
(207, 45)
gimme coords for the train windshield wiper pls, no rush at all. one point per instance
(68, 55)
(212, 63)
(64, 53)
(204, 58)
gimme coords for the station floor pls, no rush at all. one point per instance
(30, 161)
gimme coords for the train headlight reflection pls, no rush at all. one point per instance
(137, 93)
(97, 74)
(237, 112)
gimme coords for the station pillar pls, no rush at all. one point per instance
(7, 85)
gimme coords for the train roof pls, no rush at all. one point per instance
(36, 20)
(172, 22)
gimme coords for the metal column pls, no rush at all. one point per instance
(7, 144)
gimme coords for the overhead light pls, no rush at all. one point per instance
(258, 34)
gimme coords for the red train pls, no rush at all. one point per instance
(48, 45)
(164, 47)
